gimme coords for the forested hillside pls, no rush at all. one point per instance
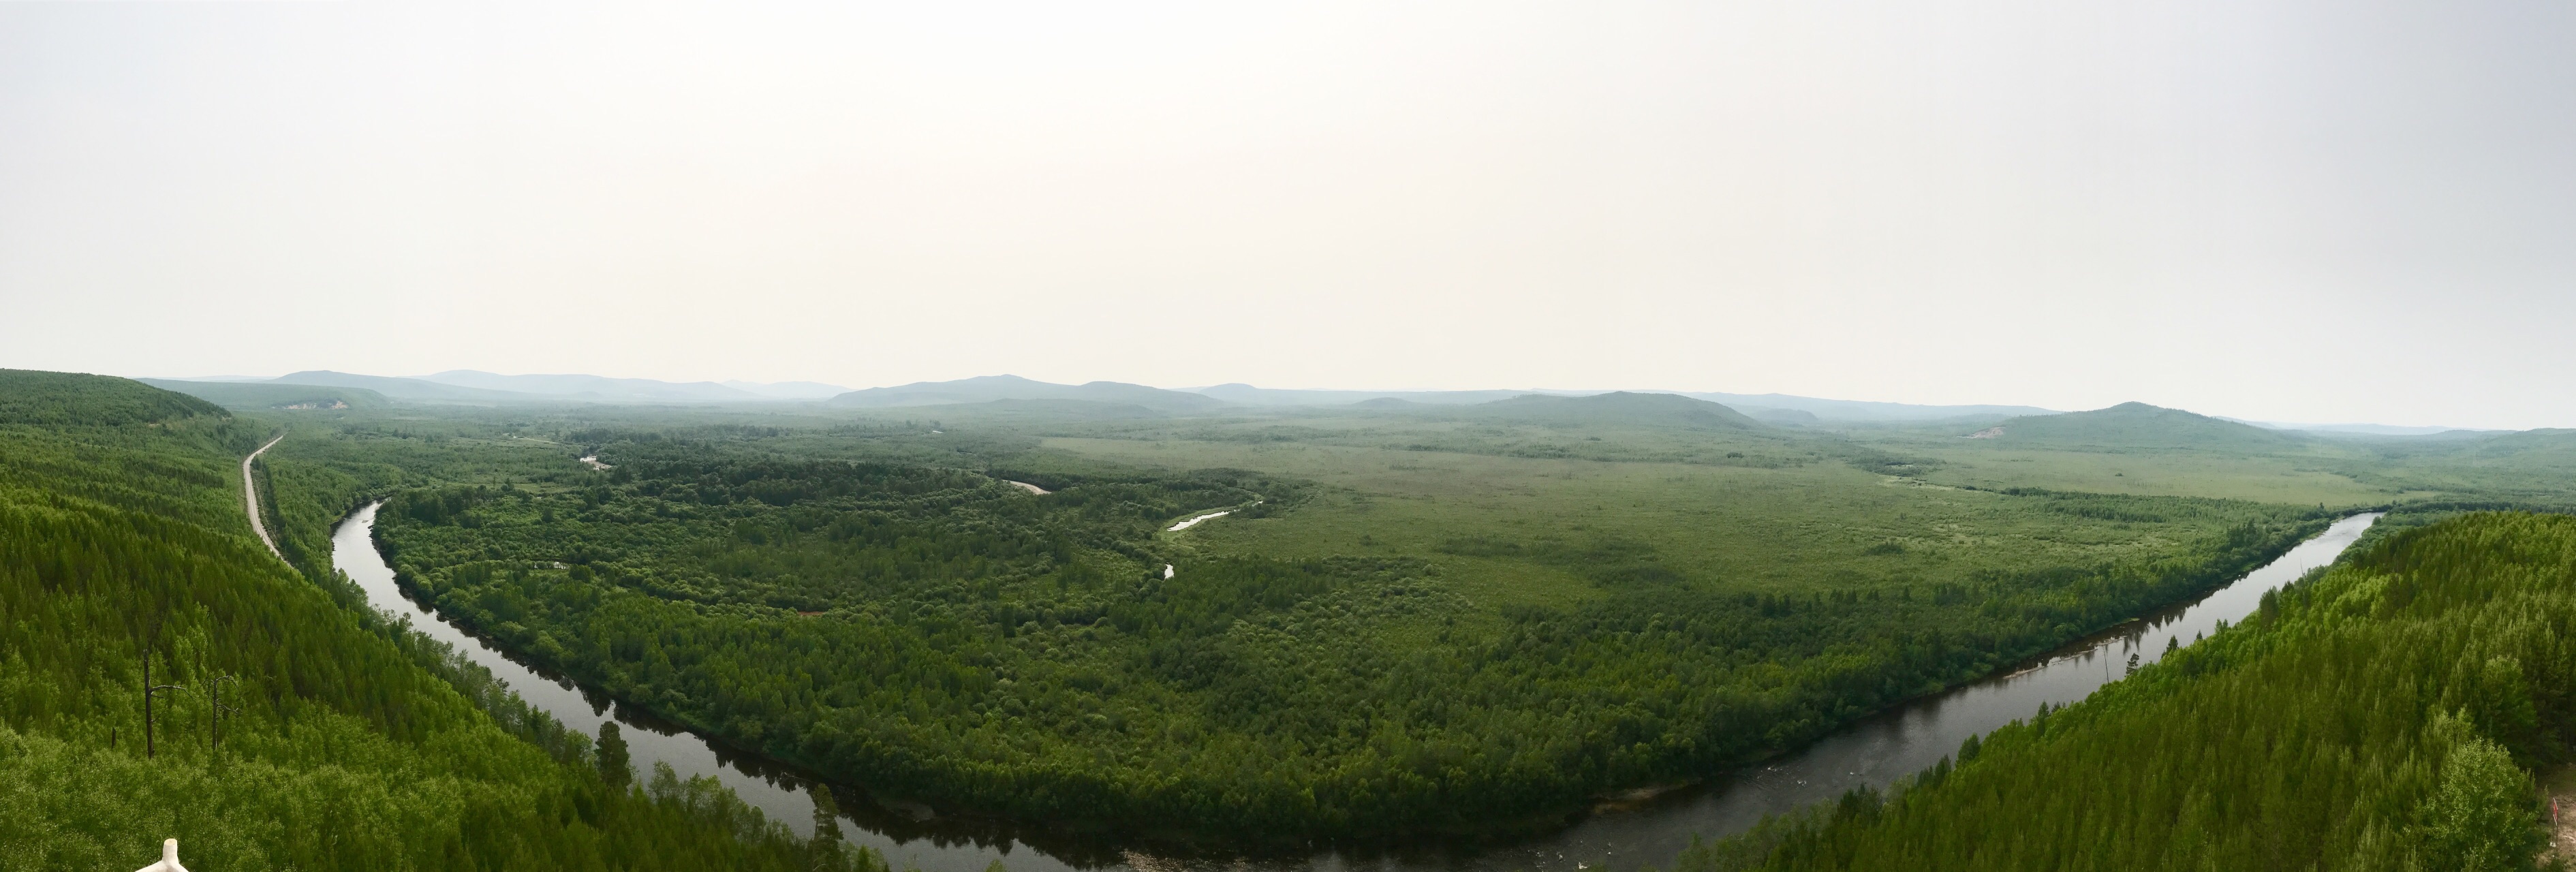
(268, 395)
(2138, 425)
(64, 399)
(2384, 714)
(291, 732)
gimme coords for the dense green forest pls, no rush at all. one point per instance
(1414, 620)
(880, 603)
(2385, 713)
(293, 732)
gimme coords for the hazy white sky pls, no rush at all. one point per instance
(2319, 211)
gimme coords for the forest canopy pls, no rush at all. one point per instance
(1404, 622)
(2385, 713)
(915, 621)
(291, 732)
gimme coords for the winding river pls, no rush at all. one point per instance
(1872, 753)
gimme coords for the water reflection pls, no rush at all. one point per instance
(1876, 752)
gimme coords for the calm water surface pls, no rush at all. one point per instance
(1873, 753)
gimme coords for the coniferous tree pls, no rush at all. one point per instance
(616, 766)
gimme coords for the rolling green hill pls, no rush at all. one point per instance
(1782, 417)
(1615, 408)
(1851, 411)
(2138, 425)
(1246, 395)
(63, 399)
(2552, 446)
(989, 388)
(592, 388)
(408, 389)
(263, 396)
(347, 743)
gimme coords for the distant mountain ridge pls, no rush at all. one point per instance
(270, 395)
(788, 390)
(405, 389)
(593, 387)
(2137, 425)
(2358, 429)
(1791, 409)
(1624, 407)
(994, 388)
(1242, 394)
(1863, 410)
(475, 387)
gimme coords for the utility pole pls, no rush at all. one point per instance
(150, 690)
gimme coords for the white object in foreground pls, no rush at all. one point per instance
(169, 859)
(1167, 570)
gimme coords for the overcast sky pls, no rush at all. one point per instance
(2320, 212)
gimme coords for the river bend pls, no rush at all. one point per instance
(1872, 753)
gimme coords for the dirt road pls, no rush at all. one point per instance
(250, 499)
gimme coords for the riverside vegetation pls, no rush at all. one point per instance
(345, 742)
(1417, 620)
(873, 600)
(2384, 713)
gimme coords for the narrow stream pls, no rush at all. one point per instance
(1873, 753)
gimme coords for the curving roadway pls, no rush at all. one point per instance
(250, 499)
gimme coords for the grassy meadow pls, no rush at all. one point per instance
(1794, 528)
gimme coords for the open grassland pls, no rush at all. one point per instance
(2144, 450)
(1777, 530)
(2296, 476)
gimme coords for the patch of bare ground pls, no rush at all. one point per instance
(2558, 795)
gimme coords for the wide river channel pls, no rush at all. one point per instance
(1872, 753)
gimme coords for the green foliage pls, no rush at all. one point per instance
(343, 744)
(1414, 619)
(264, 396)
(927, 628)
(2380, 714)
(65, 399)
(1617, 407)
(2138, 425)
(616, 765)
(2480, 818)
